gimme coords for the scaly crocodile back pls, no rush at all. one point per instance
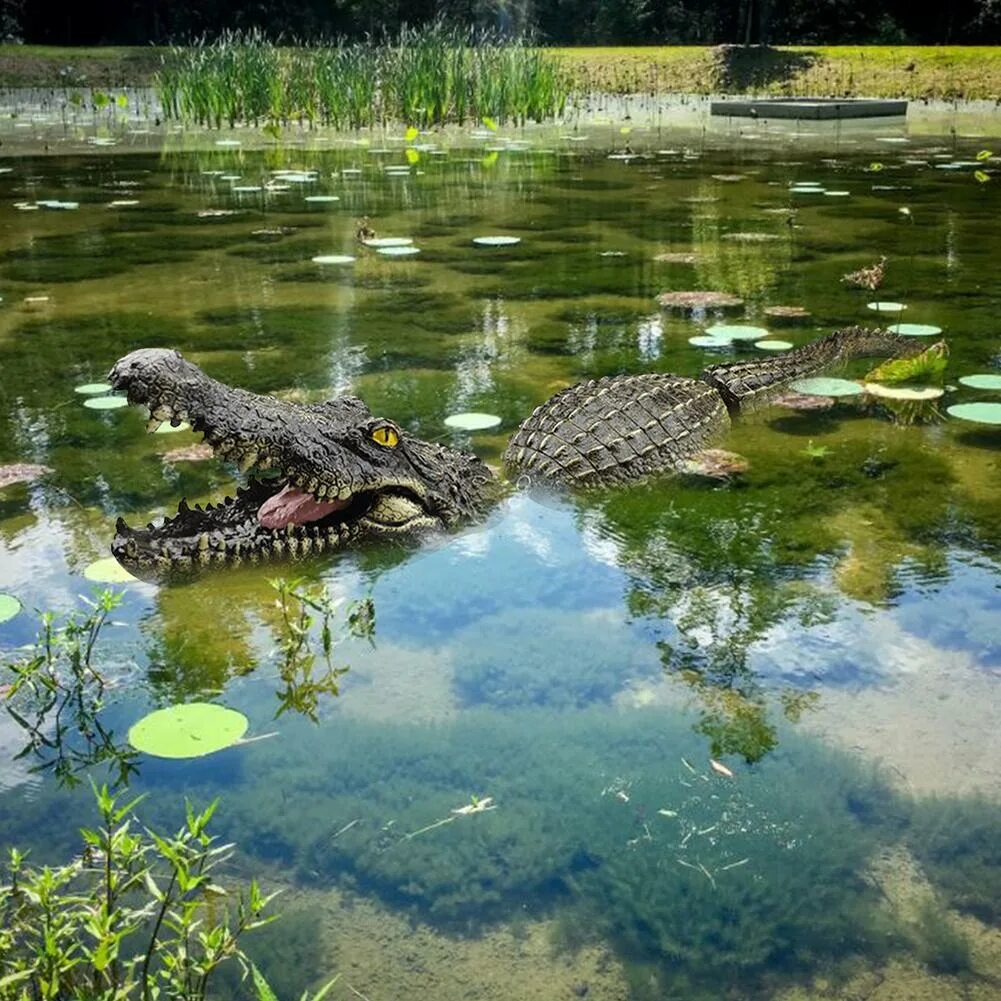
(618, 428)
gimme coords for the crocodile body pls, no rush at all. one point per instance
(345, 474)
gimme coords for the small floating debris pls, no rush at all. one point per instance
(216, 213)
(52, 203)
(826, 386)
(679, 257)
(714, 464)
(123, 203)
(35, 300)
(188, 731)
(978, 413)
(496, 241)
(246, 189)
(108, 571)
(787, 315)
(472, 421)
(21, 472)
(981, 381)
(105, 402)
(397, 251)
(836, 194)
(691, 301)
(189, 453)
(612, 253)
(9, 607)
(720, 769)
(773, 345)
(334, 259)
(736, 332)
(869, 278)
(915, 329)
(886, 307)
(803, 401)
(93, 388)
(729, 178)
(387, 241)
(903, 392)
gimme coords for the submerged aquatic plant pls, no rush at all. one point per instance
(428, 76)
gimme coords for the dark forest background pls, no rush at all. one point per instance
(567, 22)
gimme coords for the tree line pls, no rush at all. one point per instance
(555, 22)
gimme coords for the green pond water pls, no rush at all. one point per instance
(825, 627)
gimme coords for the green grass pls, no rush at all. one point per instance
(916, 72)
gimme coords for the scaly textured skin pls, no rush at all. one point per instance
(621, 428)
(604, 431)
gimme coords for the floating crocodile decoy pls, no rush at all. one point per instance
(346, 474)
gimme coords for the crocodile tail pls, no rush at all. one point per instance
(744, 384)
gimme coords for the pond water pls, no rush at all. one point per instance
(741, 737)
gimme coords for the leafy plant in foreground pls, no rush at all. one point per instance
(137, 915)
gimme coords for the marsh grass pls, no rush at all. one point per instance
(423, 77)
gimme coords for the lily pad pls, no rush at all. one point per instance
(979, 413)
(803, 401)
(472, 421)
(188, 731)
(108, 571)
(334, 259)
(105, 402)
(93, 389)
(915, 329)
(713, 343)
(397, 251)
(9, 607)
(496, 241)
(388, 241)
(824, 386)
(787, 314)
(904, 392)
(886, 307)
(773, 345)
(21, 472)
(167, 428)
(699, 300)
(714, 464)
(736, 332)
(322, 198)
(981, 381)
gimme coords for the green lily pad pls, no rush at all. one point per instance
(979, 413)
(904, 392)
(334, 259)
(824, 386)
(915, 329)
(108, 571)
(472, 421)
(321, 199)
(981, 381)
(188, 731)
(715, 343)
(736, 332)
(388, 241)
(772, 345)
(886, 307)
(167, 428)
(496, 241)
(105, 402)
(397, 251)
(9, 607)
(92, 389)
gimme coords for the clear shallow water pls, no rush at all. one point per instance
(826, 625)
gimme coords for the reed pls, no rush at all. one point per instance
(426, 76)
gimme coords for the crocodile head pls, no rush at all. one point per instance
(342, 474)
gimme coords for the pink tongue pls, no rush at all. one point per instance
(293, 507)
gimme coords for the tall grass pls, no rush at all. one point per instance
(424, 76)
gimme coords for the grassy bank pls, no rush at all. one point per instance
(917, 72)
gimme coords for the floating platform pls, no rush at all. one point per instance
(808, 107)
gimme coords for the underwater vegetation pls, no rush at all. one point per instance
(424, 76)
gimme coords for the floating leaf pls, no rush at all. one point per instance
(736, 332)
(9, 607)
(915, 329)
(489, 123)
(397, 251)
(333, 259)
(490, 159)
(108, 571)
(188, 731)
(122, 101)
(720, 768)
(773, 345)
(699, 300)
(886, 307)
(412, 155)
(875, 167)
(105, 402)
(713, 343)
(412, 133)
(472, 421)
(904, 392)
(979, 413)
(167, 428)
(981, 176)
(322, 198)
(984, 154)
(981, 381)
(92, 389)
(496, 241)
(929, 366)
(825, 386)
(388, 241)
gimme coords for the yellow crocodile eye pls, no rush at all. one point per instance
(386, 436)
